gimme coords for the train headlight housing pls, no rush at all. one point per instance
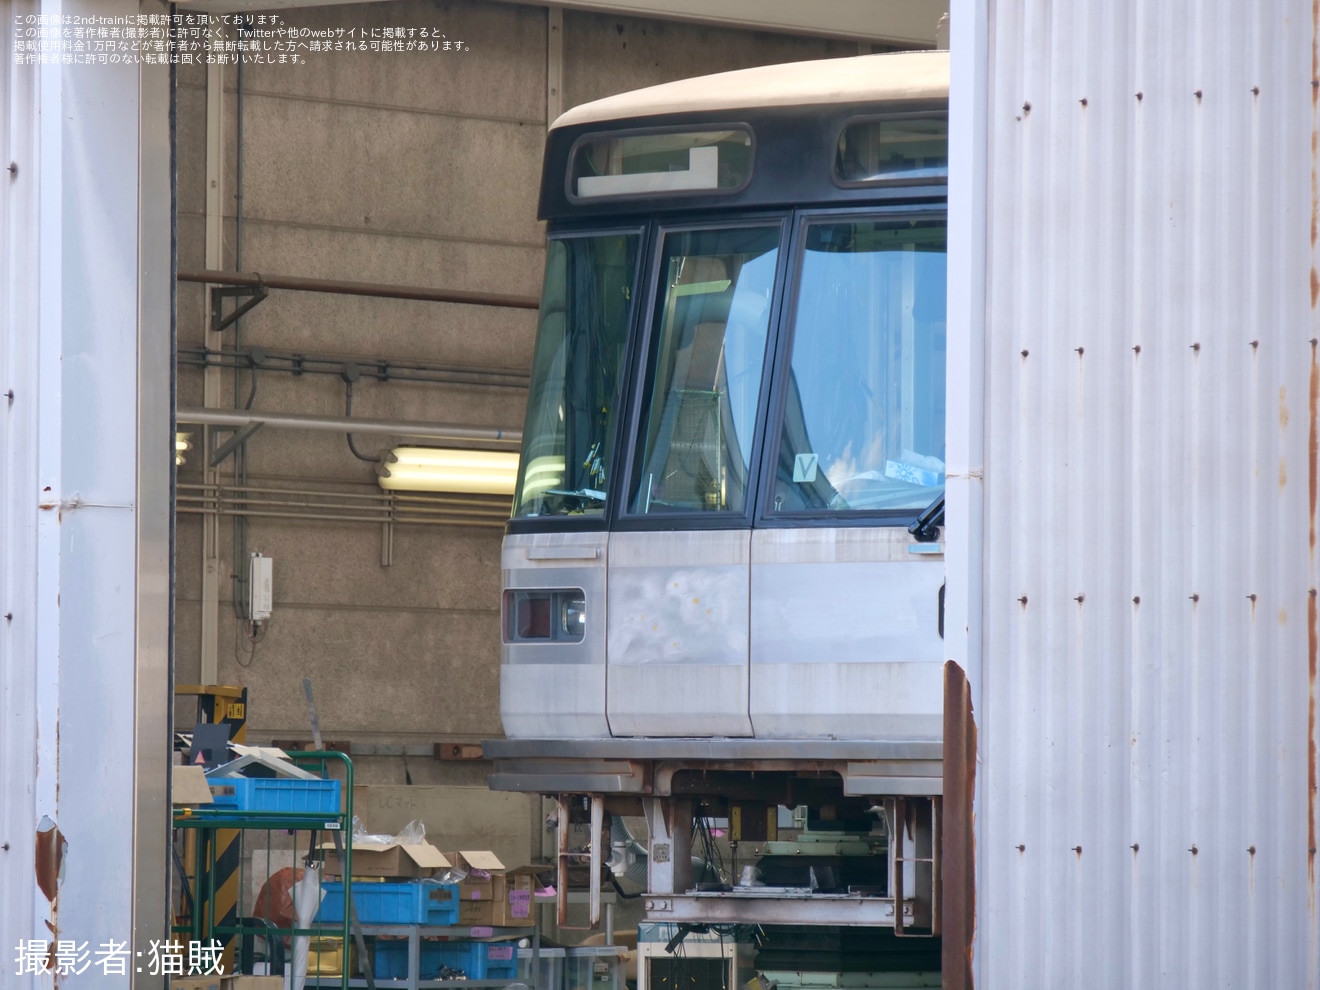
(545, 616)
(573, 617)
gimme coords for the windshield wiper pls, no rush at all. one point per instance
(926, 527)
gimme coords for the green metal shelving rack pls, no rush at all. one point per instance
(205, 821)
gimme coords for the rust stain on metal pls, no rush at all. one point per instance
(1252, 598)
(958, 868)
(1283, 407)
(49, 866)
(1313, 651)
(1315, 287)
(1283, 473)
(1078, 851)
(49, 858)
(1283, 616)
(1313, 446)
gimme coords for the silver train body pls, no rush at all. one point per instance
(775, 632)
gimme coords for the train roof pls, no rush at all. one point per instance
(859, 79)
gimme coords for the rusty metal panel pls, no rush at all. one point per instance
(958, 893)
(85, 472)
(1146, 798)
(22, 901)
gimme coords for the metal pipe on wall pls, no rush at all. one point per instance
(245, 513)
(215, 215)
(215, 501)
(420, 500)
(381, 290)
(341, 424)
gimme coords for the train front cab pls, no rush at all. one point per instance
(714, 598)
(736, 413)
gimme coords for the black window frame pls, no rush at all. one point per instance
(668, 194)
(622, 519)
(598, 522)
(772, 425)
(898, 179)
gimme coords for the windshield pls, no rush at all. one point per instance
(704, 375)
(863, 413)
(577, 371)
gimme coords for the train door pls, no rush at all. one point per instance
(845, 605)
(554, 573)
(679, 555)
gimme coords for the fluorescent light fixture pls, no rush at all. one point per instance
(435, 469)
(182, 444)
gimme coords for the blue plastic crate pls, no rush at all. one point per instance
(389, 961)
(275, 794)
(409, 902)
(479, 960)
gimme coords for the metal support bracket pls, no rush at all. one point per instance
(669, 848)
(593, 857)
(233, 443)
(914, 863)
(218, 293)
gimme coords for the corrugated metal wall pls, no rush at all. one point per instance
(1146, 808)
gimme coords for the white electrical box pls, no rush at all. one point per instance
(260, 589)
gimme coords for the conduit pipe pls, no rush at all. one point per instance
(382, 290)
(342, 424)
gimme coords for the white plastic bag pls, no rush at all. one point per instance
(307, 894)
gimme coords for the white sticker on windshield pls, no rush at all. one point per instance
(804, 467)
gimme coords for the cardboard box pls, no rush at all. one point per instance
(188, 786)
(510, 904)
(252, 983)
(476, 913)
(374, 859)
(196, 983)
(481, 867)
(512, 900)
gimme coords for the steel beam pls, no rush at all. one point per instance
(747, 909)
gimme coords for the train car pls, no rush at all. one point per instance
(723, 577)
(737, 413)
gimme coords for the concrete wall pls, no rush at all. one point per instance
(403, 169)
